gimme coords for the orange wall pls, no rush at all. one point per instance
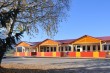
(23, 44)
(86, 39)
(86, 54)
(49, 42)
(60, 54)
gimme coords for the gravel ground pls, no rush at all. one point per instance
(55, 65)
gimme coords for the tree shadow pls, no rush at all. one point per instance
(87, 63)
(64, 70)
(91, 66)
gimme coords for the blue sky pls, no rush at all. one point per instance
(90, 17)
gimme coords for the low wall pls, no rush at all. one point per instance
(22, 54)
(38, 54)
(87, 54)
(64, 54)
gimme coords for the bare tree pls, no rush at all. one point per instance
(19, 16)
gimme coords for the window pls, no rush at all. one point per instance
(44, 49)
(88, 48)
(109, 47)
(78, 47)
(105, 47)
(54, 49)
(23, 50)
(19, 49)
(78, 50)
(66, 48)
(61, 48)
(41, 50)
(51, 49)
(47, 49)
(69, 48)
(27, 49)
(84, 48)
(94, 47)
(74, 48)
(98, 47)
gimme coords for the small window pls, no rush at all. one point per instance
(105, 47)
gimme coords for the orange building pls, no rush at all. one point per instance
(83, 47)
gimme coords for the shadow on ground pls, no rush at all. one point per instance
(89, 66)
(64, 70)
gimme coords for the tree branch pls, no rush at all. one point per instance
(6, 4)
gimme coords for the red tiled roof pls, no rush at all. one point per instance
(67, 41)
(33, 43)
(105, 38)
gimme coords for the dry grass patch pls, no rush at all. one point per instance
(25, 68)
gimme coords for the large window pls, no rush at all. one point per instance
(27, 49)
(47, 49)
(62, 49)
(44, 49)
(109, 47)
(74, 48)
(54, 49)
(66, 48)
(94, 47)
(51, 49)
(59, 49)
(98, 47)
(19, 49)
(78, 48)
(69, 48)
(88, 48)
(105, 47)
(84, 48)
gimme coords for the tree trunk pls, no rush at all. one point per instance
(2, 52)
(1, 57)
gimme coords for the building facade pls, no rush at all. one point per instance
(83, 47)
